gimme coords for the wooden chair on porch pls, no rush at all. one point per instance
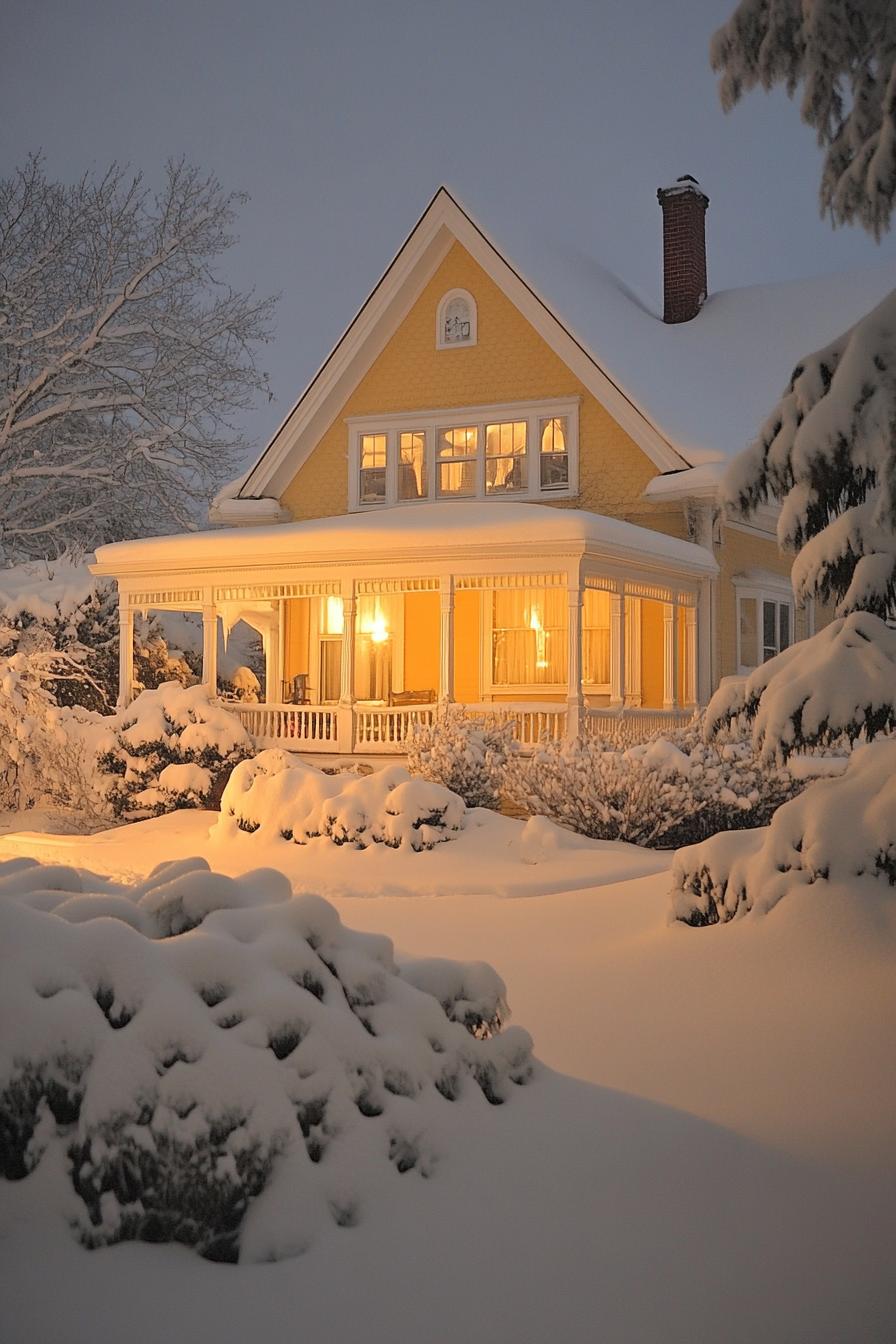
(398, 699)
(294, 691)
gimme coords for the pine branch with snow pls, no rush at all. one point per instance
(843, 55)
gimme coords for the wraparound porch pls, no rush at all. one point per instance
(568, 622)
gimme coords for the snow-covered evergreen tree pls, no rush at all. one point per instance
(828, 454)
(122, 357)
(843, 54)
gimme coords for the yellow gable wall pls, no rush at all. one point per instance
(510, 362)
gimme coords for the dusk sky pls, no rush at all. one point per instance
(341, 118)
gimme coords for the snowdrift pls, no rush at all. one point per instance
(839, 830)
(224, 1065)
(278, 795)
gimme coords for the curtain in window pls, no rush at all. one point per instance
(529, 637)
(376, 623)
(596, 638)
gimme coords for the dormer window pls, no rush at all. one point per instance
(519, 450)
(456, 320)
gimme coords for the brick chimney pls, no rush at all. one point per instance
(684, 248)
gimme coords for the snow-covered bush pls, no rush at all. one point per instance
(468, 753)
(667, 792)
(166, 750)
(839, 830)
(281, 797)
(242, 684)
(244, 1088)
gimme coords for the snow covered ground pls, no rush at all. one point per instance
(760, 1207)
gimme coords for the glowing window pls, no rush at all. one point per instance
(372, 482)
(554, 456)
(457, 461)
(505, 457)
(412, 482)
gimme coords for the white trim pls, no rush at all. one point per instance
(441, 343)
(442, 223)
(430, 422)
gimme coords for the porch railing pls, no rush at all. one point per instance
(385, 729)
(315, 727)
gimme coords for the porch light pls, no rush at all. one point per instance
(379, 631)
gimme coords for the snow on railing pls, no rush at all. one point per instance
(315, 726)
(630, 726)
(532, 722)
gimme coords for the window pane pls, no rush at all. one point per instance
(554, 455)
(412, 466)
(458, 442)
(456, 322)
(502, 440)
(330, 670)
(373, 450)
(503, 475)
(457, 478)
(331, 622)
(749, 632)
(596, 638)
(529, 637)
(373, 485)
(769, 630)
(783, 627)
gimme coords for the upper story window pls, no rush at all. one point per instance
(456, 320)
(527, 450)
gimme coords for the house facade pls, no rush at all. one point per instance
(466, 506)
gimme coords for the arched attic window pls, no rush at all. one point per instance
(456, 320)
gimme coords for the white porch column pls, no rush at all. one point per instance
(272, 646)
(705, 635)
(125, 650)
(344, 712)
(670, 655)
(210, 645)
(617, 648)
(690, 647)
(446, 639)
(575, 700)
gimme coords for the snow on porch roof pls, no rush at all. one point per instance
(387, 533)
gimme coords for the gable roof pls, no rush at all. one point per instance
(687, 394)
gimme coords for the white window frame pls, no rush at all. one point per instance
(441, 343)
(429, 423)
(781, 594)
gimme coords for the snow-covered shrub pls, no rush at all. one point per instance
(240, 1089)
(468, 753)
(838, 830)
(669, 791)
(242, 684)
(166, 751)
(281, 797)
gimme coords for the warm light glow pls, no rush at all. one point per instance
(379, 631)
(541, 660)
(334, 616)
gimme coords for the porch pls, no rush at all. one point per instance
(567, 622)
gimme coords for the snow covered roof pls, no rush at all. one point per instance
(708, 384)
(689, 393)
(415, 528)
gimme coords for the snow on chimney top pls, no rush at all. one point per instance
(684, 248)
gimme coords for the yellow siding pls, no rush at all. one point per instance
(652, 637)
(467, 606)
(421, 641)
(510, 362)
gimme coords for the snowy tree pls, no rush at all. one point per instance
(123, 357)
(828, 454)
(843, 54)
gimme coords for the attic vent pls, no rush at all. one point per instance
(684, 248)
(456, 320)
